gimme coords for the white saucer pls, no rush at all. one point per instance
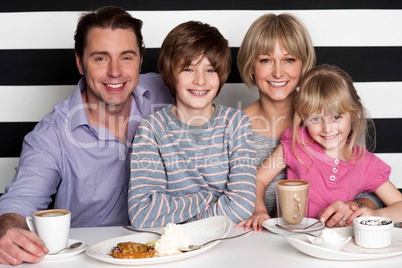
(270, 225)
(68, 253)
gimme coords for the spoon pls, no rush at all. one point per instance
(293, 231)
(72, 246)
(141, 230)
(195, 247)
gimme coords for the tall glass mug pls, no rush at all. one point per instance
(292, 203)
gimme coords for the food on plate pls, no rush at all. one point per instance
(173, 237)
(132, 250)
(373, 232)
(329, 236)
(329, 239)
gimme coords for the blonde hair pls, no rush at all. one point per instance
(262, 36)
(330, 89)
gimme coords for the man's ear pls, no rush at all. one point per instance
(79, 64)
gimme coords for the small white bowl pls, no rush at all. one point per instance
(330, 245)
(373, 232)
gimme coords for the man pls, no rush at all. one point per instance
(80, 152)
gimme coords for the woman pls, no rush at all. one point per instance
(275, 54)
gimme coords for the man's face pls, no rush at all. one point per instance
(111, 64)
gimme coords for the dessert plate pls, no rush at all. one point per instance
(350, 252)
(199, 231)
(270, 225)
(68, 253)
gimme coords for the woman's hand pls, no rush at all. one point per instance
(340, 214)
(255, 221)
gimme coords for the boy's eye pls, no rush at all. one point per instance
(211, 71)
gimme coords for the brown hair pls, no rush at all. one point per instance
(330, 88)
(106, 17)
(261, 38)
(186, 43)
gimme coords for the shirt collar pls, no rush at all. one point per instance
(77, 113)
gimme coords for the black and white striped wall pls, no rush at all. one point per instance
(37, 67)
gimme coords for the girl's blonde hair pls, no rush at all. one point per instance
(261, 37)
(329, 89)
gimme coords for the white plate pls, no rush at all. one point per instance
(270, 225)
(68, 253)
(350, 252)
(199, 231)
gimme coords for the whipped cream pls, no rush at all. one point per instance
(173, 237)
(329, 236)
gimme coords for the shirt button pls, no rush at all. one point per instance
(334, 170)
(337, 161)
(332, 178)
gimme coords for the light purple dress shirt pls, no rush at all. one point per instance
(86, 165)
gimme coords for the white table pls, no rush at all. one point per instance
(257, 249)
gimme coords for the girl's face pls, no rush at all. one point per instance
(196, 87)
(277, 75)
(330, 132)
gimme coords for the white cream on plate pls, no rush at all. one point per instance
(329, 236)
(173, 237)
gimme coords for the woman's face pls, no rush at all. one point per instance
(277, 74)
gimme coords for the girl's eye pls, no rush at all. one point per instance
(265, 60)
(336, 117)
(211, 71)
(290, 60)
(186, 70)
(315, 119)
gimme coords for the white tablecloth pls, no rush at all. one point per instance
(257, 249)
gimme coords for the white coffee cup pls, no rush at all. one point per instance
(52, 226)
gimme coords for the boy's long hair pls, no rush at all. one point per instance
(329, 89)
(189, 41)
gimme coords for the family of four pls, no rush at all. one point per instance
(150, 149)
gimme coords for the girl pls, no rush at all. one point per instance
(192, 160)
(329, 149)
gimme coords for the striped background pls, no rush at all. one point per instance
(37, 66)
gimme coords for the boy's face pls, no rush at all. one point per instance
(196, 87)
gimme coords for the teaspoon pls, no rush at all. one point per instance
(195, 247)
(72, 246)
(293, 231)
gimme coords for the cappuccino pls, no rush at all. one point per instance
(292, 200)
(51, 213)
(52, 226)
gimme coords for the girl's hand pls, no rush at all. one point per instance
(255, 221)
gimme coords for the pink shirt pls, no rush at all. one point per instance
(331, 179)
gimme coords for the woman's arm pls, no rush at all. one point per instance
(266, 173)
